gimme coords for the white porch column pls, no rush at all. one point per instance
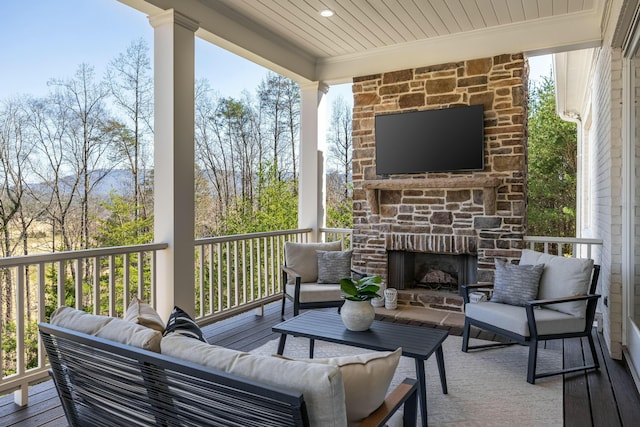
(174, 74)
(311, 199)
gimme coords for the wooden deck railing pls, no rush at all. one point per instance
(233, 274)
(99, 281)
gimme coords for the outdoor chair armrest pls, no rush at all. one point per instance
(406, 393)
(550, 301)
(464, 289)
(290, 272)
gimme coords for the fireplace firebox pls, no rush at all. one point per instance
(440, 272)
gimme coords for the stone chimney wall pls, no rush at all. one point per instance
(477, 212)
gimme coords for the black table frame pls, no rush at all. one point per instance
(417, 342)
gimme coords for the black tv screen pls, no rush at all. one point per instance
(449, 139)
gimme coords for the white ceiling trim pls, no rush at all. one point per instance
(572, 71)
(547, 35)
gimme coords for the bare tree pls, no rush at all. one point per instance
(14, 157)
(340, 143)
(58, 188)
(130, 83)
(271, 93)
(83, 100)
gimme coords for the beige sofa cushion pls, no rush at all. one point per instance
(320, 384)
(302, 258)
(366, 379)
(142, 313)
(106, 327)
(513, 318)
(562, 277)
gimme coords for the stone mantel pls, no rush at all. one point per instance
(489, 186)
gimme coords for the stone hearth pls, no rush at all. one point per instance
(479, 213)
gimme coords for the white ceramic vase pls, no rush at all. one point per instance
(357, 315)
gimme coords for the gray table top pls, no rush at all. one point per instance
(418, 342)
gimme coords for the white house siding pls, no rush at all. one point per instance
(605, 166)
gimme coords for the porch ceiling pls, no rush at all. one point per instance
(373, 36)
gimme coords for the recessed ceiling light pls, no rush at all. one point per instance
(326, 13)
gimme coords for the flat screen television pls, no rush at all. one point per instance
(445, 140)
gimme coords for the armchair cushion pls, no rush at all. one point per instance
(562, 277)
(333, 266)
(514, 319)
(302, 258)
(314, 292)
(516, 284)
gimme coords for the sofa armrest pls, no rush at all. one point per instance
(406, 393)
(465, 289)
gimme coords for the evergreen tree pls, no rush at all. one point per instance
(552, 166)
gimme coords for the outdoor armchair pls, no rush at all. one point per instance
(544, 298)
(311, 275)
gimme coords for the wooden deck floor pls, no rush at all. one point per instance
(605, 398)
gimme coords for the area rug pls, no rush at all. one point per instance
(486, 387)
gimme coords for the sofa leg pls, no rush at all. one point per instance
(465, 336)
(533, 358)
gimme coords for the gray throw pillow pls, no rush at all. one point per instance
(333, 266)
(516, 284)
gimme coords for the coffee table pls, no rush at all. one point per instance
(417, 342)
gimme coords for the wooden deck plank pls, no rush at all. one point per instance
(624, 389)
(600, 390)
(577, 407)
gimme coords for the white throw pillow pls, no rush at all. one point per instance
(111, 328)
(562, 277)
(302, 258)
(321, 385)
(366, 380)
(143, 314)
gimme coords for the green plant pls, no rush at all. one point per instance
(361, 290)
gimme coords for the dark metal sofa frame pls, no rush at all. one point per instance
(534, 338)
(104, 383)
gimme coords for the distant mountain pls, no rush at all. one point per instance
(117, 180)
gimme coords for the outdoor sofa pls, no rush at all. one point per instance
(109, 372)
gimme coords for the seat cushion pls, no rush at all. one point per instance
(110, 328)
(516, 284)
(514, 318)
(302, 258)
(315, 292)
(562, 277)
(320, 384)
(333, 266)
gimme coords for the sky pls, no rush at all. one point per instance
(49, 39)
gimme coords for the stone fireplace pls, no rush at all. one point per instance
(477, 215)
